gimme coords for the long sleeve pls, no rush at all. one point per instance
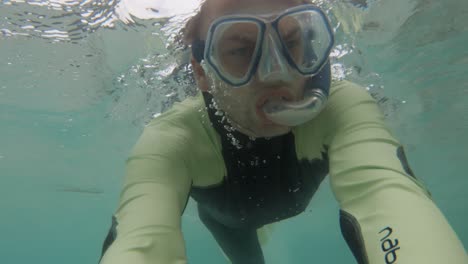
(148, 219)
(387, 215)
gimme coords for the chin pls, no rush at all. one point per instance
(269, 131)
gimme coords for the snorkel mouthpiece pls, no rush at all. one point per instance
(293, 114)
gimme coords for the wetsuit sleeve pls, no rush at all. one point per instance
(154, 195)
(387, 215)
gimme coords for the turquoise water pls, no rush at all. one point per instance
(79, 79)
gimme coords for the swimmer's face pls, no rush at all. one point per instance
(243, 105)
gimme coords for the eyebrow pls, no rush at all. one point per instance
(240, 38)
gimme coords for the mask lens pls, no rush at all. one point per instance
(306, 38)
(292, 37)
(235, 48)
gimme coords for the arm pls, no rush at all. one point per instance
(155, 192)
(387, 216)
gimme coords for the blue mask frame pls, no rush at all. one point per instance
(200, 50)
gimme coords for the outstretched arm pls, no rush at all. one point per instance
(387, 215)
(147, 226)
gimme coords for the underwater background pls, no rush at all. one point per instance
(80, 79)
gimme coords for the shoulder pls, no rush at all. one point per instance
(349, 102)
(346, 93)
(352, 114)
(173, 130)
(184, 133)
(348, 105)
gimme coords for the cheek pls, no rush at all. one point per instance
(245, 96)
(227, 98)
(239, 100)
(236, 95)
(232, 98)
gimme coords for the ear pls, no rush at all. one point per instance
(200, 75)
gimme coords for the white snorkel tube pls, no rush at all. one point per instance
(296, 113)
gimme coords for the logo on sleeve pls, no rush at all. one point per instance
(389, 245)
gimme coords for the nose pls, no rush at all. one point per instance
(273, 66)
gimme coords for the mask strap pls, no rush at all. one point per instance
(321, 80)
(198, 50)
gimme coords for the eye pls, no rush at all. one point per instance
(292, 43)
(243, 51)
(293, 40)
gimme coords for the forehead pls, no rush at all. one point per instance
(218, 8)
(223, 7)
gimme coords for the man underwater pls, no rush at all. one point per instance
(253, 147)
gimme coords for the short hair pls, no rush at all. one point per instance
(191, 31)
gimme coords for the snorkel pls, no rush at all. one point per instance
(316, 91)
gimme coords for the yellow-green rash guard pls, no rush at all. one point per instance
(386, 214)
